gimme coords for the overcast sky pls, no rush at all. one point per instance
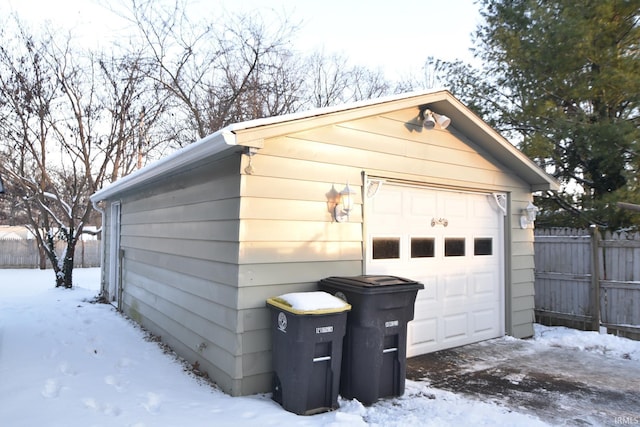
(395, 35)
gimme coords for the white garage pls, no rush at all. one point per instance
(453, 242)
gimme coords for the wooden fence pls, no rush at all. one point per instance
(585, 280)
(23, 253)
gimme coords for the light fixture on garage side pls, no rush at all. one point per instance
(344, 204)
(528, 216)
(431, 119)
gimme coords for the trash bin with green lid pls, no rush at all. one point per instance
(307, 336)
(374, 359)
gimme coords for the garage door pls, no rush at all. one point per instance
(450, 241)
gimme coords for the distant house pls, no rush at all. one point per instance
(196, 242)
(17, 232)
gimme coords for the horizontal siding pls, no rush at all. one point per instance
(259, 275)
(209, 210)
(251, 319)
(523, 262)
(523, 268)
(520, 289)
(181, 309)
(180, 271)
(299, 231)
(212, 182)
(212, 271)
(182, 289)
(262, 208)
(317, 168)
(309, 251)
(216, 230)
(523, 319)
(224, 252)
(184, 342)
(256, 364)
(524, 330)
(523, 303)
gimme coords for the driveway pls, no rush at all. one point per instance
(559, 385)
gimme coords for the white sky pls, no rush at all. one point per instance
(397, 36)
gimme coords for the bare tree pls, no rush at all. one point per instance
(368, 83)
(328, 78)
(69, 123)
(333, 80)
(237, 68)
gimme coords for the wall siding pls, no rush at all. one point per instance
(521, 304)
(180, 242)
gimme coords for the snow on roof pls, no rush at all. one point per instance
(325, 110)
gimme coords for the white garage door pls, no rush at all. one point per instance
(450, 241)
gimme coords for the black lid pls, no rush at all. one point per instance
(377, 283)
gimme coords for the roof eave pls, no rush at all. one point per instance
(496, 145)
(206, 147)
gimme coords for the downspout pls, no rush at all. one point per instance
(95, 205)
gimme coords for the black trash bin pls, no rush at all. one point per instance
(307, 337)
(374, 358)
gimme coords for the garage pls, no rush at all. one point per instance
(195, 243)
(453, 242)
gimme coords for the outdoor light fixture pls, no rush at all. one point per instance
(528, 216)
(431, 119)
(344, 204)
(1, 186)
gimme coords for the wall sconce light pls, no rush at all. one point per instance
(344, 204)
(430, 119)
(528, 216)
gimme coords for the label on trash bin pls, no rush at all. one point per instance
(282, 322)
(391, 323)
(324, 330)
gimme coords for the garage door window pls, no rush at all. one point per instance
(386, 248)
(423, 247)
(483, 246)
(454, 246)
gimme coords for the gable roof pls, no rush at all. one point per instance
(253, 132)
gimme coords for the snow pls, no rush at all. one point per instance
(312, 301)
(593, 342)
(65, 361)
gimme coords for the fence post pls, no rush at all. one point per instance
(595, 278)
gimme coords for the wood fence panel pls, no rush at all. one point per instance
(620, 284)
(23, 253)
(563, 278)
(18, 253)
(568, 293)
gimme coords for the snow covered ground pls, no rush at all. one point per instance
(67, 362)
